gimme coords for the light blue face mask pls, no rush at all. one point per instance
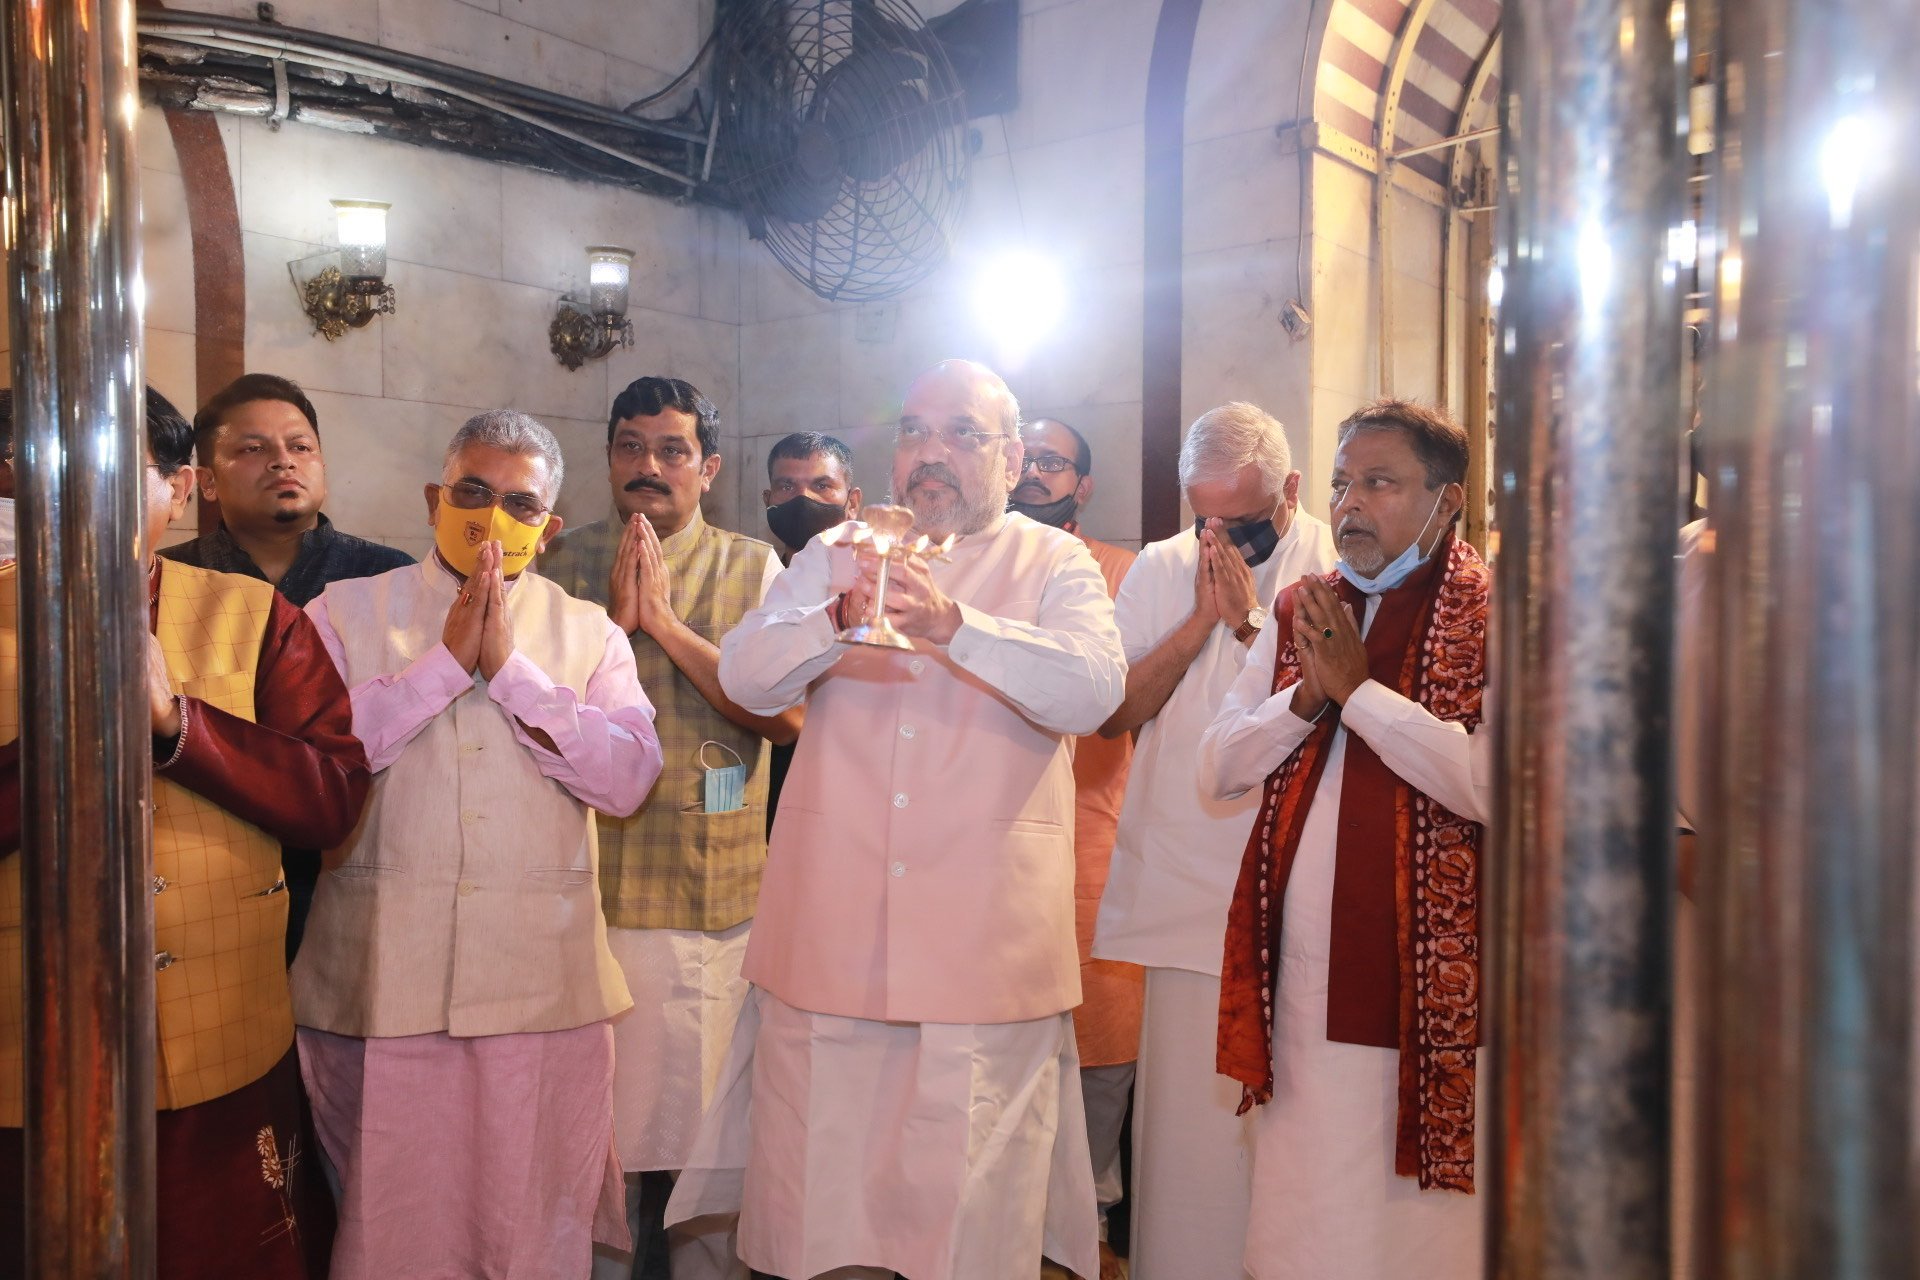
(1403, 564)
(726, 787)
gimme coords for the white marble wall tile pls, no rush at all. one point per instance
(586, 495)
(1414, 241)
(1095, 356)
(1415, 344)
(1083, 69)
(153, 142)
(1082, 197)
(663, 36)
(1241, 189)
(790, 375)
(171, 369)
(1233, 345)
(1346, 318)
(1246, 67)
(446, 208)
(381, 455)
(280, 338)
(462, 338)
(166, 251)
(722, 248)
(547, 223)
(1342, 204)
(768, 292)
(458, 33)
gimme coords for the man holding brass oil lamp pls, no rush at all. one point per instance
(913, 959)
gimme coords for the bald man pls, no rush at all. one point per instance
(902, 1094)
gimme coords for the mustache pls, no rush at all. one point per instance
(651, 486)
(1349, 526)
(938, 471)
(1030, 486)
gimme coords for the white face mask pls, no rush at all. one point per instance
(726, 786)
(1403, 564)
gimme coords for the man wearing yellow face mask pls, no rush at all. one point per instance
(454, 991)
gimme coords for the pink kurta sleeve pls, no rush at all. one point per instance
(390, 711)
(607, 754)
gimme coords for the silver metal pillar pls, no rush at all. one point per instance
(75, 265)
(1581, 865)
(1811, 432)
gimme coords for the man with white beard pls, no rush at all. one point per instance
(902, 1092)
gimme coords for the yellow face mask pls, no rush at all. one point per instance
(460, 534)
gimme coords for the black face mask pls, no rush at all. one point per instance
(1255, 541)
(1057, 514)
(799, 519)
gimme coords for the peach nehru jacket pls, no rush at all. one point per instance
(922, 866)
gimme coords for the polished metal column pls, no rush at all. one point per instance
(1575, 1150)
(1811, 432)
(74, 263)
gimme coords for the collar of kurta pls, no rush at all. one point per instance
(1404, 966)
(683, 539)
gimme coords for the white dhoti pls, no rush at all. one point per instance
(1326, 1201)
(940, 1151)
(668, 1052)
(1192, 1155)
(669, 1048)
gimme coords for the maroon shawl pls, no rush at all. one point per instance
(1404, 971)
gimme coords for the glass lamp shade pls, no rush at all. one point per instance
(363, 238)
(609, 269)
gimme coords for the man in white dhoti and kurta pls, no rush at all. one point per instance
(1349, 1005)
(902, 1093)
(1188, 613)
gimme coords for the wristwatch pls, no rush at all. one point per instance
(1256, 618)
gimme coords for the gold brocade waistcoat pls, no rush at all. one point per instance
(219, 906)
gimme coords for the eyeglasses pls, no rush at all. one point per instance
(1051, 463)
(911, 435)
(470, 495)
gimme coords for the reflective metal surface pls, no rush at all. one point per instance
(80, 448)
(1574, 1153)
(1811, 437)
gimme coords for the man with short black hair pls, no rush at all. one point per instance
(810, 489)
(258, 443)
(1350, 982)
(680, 878)
(1056, 477)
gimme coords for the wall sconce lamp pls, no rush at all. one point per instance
(588, 329)
(346, 288)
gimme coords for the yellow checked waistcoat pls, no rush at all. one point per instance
(219, 904)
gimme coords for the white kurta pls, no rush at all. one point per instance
(1326, 1201)
(941, 1151)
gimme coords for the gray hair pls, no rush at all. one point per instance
(1224, 441)
(510, 431)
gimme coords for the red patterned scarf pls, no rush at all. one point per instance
(1404, 971)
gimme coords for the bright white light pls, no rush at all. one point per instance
(362, 223)
(1019, 298)
(1596, 268)
(1683, 243)
(1496, 286)
(1848, 158)
(609, 268)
